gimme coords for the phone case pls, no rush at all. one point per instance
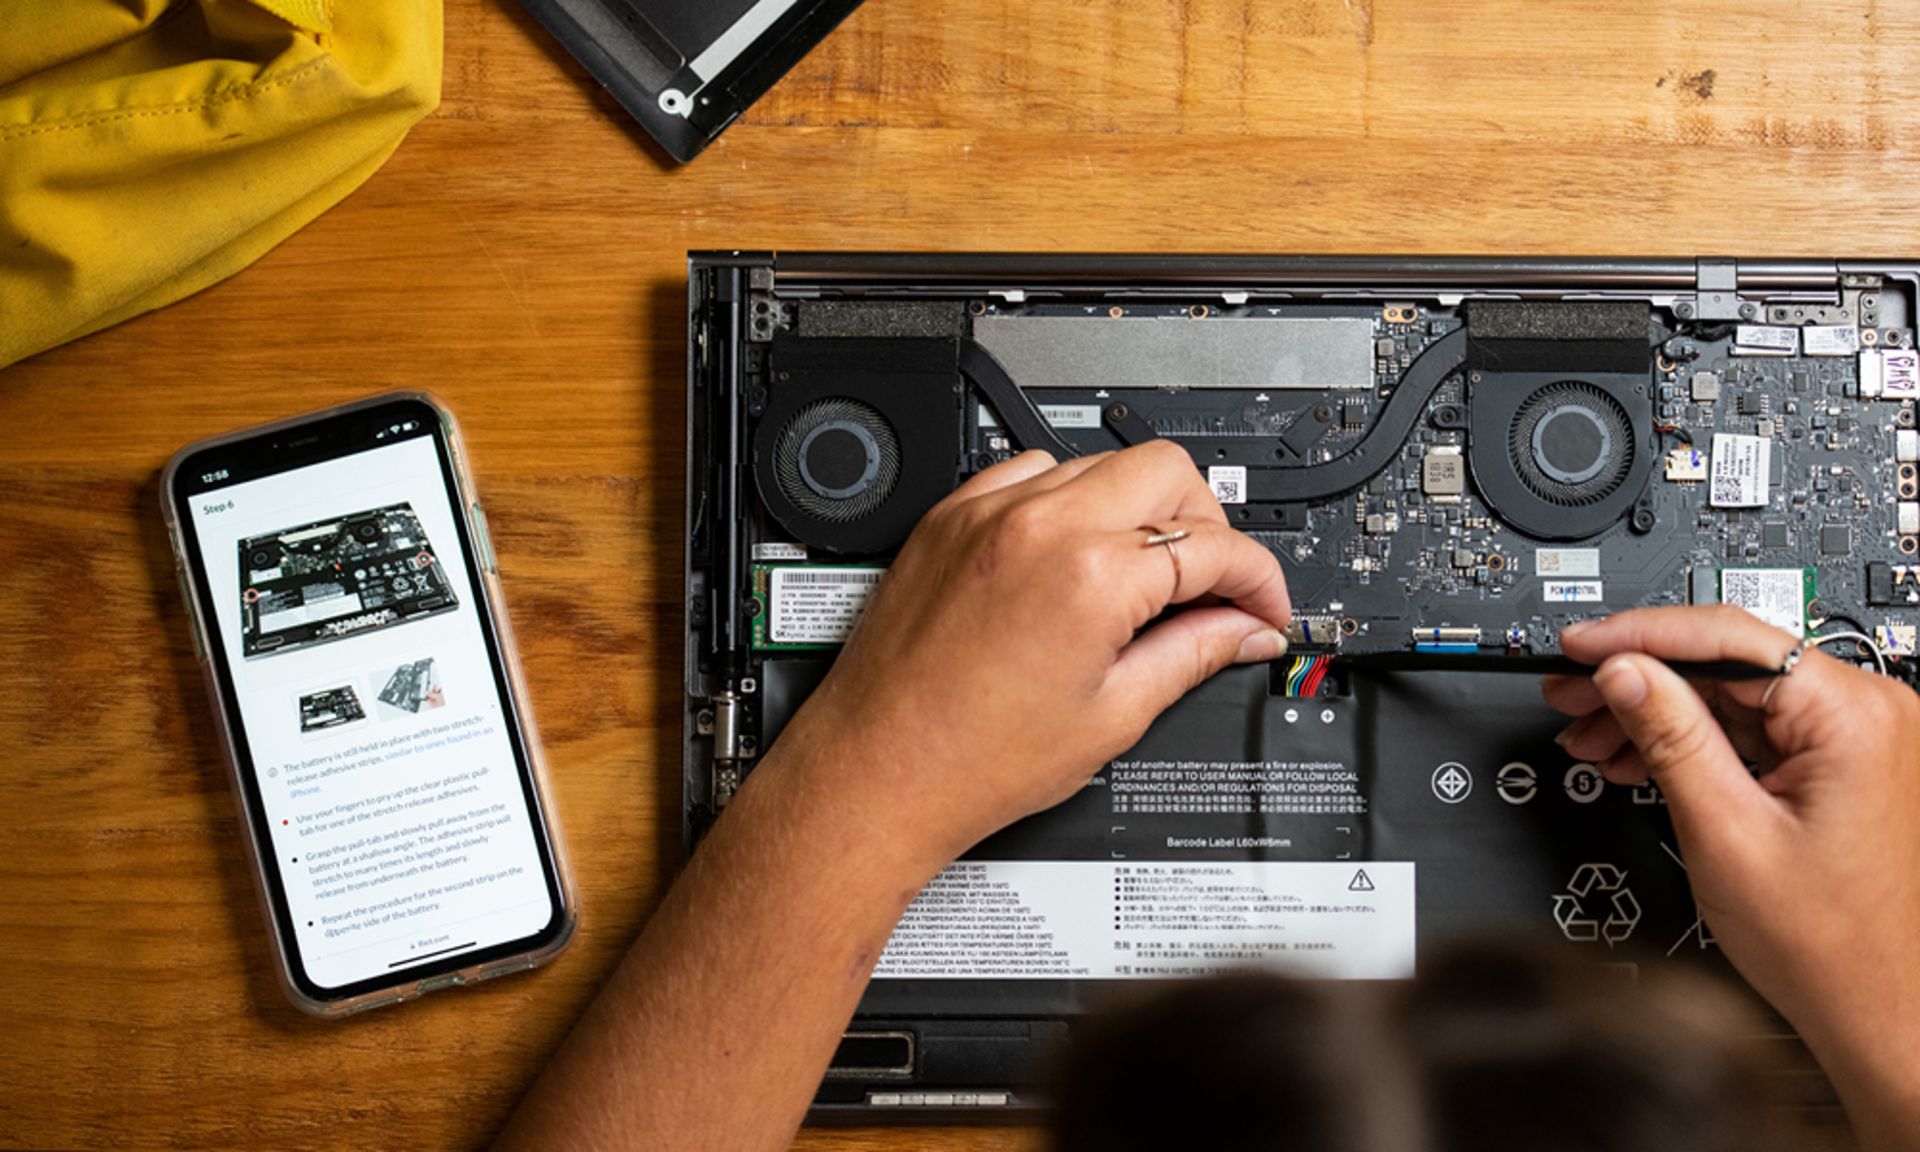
(493, 604)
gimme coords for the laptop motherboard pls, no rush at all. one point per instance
(336, 578)
(330, 708)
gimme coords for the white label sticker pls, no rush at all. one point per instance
(1567, 562)
(1776, 595)
(817, 605)
(1095, 920)
(1741, 471)
(1765, 340)
(311, 612)
(1058, 415)
(1229, 483)
(778, 550)
(1830, 340)
(1572, 591)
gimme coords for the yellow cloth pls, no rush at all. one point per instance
(152, 148)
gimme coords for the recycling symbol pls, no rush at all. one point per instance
(1597, 905)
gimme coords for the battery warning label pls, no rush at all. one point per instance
(1311, 787)
(1095, 920)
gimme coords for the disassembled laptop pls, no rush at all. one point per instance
(1453, 459)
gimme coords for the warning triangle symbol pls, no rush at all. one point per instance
(1361, 882)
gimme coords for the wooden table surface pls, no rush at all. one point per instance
(522, 255)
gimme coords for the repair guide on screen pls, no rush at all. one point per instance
(383, 756)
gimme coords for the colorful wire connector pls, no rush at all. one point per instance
(1304, 674)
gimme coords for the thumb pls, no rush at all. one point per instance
(1171, 658)
(1710, 792)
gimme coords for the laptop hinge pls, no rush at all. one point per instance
(1717, 292)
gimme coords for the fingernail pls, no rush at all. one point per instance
(1620, 684)
(1575, 628)
(1565, 735)
(1261, 647)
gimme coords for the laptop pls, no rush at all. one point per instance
(686, 71)
(1453, 458)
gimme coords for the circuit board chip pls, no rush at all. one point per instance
(1443, 472)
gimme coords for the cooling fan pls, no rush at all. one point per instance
(853, 445)
(1560, 457)
(837, 460)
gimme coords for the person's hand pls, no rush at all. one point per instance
(1808, 873)
(996, 669)
(997, 666)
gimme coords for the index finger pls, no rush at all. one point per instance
(1218, 561)
(1703, 633)
(1144, 485)
(1006, 474)
(1707, 632)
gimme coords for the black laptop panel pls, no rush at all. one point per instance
(686, 71)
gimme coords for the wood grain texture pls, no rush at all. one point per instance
(522, 256)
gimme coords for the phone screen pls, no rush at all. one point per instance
(369, 701)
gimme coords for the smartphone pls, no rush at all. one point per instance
(346, 611)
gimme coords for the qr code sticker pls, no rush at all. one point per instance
(1776, 595)
(1229, 483)
(1740, 471)
(1726, 490)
